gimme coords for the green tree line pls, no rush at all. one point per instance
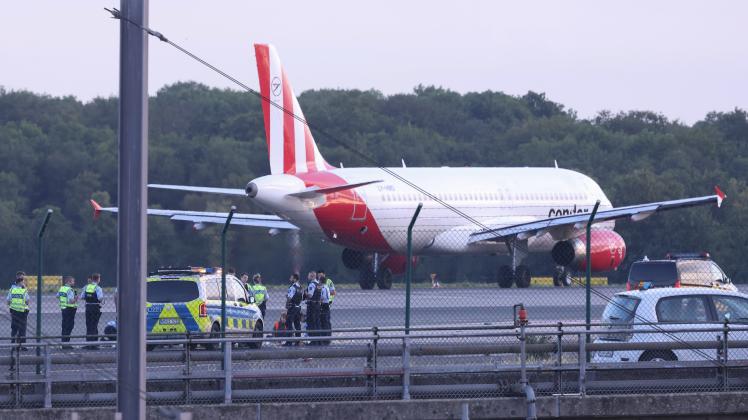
(57, 152)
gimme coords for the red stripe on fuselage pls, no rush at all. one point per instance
(262, 55)
(335, 216)
(289, 134)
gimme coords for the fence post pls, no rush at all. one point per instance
(587, 262)
(47, 378)
(409, 267)
(223, 273)
(406, 368)
(39, 282)
(227, 372)
(582, 359)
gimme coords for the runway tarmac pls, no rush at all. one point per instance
(368, 308)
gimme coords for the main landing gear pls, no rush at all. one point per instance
(516, 273)
(372, 272)
(370, 269)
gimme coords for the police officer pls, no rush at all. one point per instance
(260, 292)
(323, 279)
(18, 302)
(324, 313)
(244, 278)
(68, 298)
(313, 300)
(94, 297)
(293, 307)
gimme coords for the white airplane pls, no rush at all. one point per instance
(465, 210)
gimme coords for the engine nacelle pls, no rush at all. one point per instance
(607, 251)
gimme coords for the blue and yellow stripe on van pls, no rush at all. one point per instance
(177, 317)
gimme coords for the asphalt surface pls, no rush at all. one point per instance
(354, 308)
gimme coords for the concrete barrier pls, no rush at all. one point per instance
(726, 405)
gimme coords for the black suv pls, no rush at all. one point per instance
(678, 270)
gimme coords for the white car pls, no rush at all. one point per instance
(670, 309)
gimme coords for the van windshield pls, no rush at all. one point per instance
(659, 273)
(168, 291)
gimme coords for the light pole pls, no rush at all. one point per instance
(409, 267)
(39, 282)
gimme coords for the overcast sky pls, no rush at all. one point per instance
(680, 58)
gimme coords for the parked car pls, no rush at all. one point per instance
(678, 270)
(670, 309)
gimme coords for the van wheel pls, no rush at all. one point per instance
(257, 334)
(215, 332)
(150, 347)
(658, 356)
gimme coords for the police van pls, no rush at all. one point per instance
(188, 301)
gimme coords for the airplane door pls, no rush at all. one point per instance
(360, 211)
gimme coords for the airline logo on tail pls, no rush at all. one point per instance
(291, 147)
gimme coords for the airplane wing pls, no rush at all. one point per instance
(199, 217)
(209, 190)
(579, 221)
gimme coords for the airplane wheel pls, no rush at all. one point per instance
(505, 277)
(522, 277)
(366, 278)
(384, 280)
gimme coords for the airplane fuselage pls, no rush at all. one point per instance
(375, 217)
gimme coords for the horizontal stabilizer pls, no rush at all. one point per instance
(315, 191)
(208, 190)
(202, 217)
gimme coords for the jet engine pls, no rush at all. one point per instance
(607, 251)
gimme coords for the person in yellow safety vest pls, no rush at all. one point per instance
(328, 295)
(261, 293)
(68, 298)
(18, 302)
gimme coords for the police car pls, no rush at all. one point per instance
(188, 300)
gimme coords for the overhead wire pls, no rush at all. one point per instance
(118, 15)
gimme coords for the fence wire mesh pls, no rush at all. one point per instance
(651, 312)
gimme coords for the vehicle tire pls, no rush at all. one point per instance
(658, 356)
(384, 279)
(522, 277)
(505, 277)
(215, 332)
(150, 347)
(257, 334)
(366, 278)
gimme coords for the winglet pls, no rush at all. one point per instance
(96, 208)
(720, 195)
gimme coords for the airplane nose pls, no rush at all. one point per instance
(251, 189)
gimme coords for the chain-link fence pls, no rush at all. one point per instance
(465, 288)
(387, 364)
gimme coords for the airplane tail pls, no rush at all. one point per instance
(291, 147)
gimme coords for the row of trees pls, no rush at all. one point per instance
(59, 152)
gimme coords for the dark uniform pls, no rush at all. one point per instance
(293, 306)
(93, 310)
(313, 308)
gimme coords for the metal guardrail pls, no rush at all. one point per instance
(373, 364)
